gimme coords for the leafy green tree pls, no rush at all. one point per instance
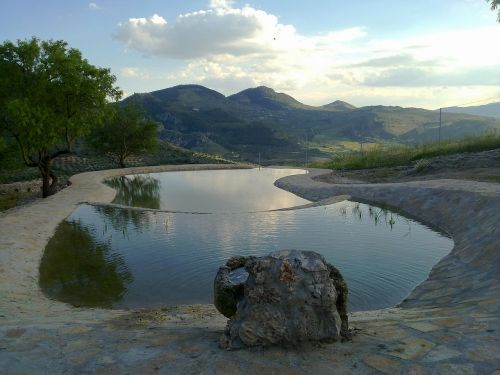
(127, 132)
(494, 5)
(49, 96)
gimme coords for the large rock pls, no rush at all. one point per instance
(286, 298)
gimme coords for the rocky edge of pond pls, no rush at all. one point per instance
(448, 325)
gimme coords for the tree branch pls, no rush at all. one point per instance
(58, 153)
(27, 160)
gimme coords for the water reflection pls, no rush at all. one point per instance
(374, 215)
(136, 191)
(122, 220)
(219, 191)
(79, 270)
(173, 257)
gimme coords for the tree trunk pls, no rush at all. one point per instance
(49, 179)
(122, 161)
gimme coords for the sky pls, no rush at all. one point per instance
(426, 53)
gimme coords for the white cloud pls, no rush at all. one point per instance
(94, 6)
(229, 48)
(132, 72)
(418, 77)
(221, 29)
(221, 4)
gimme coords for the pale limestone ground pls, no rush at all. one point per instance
(448, 325)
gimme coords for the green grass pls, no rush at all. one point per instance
(404, 155)
(494, 178)
(8, 200)
(68, 165)
(22, 174)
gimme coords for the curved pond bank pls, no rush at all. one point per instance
(449, 324)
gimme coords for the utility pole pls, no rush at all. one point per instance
(259, 161)
(307, 146)
(439, 136)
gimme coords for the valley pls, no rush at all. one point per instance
(280, 128)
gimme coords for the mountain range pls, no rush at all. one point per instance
(260, 123)
(492, 110)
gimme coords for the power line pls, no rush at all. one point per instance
(473, 102)
(440, 117)
(460, 105)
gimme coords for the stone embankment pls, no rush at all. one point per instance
(447, 325)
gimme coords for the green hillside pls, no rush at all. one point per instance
(266, 98)
(491, 110)
(260, 120)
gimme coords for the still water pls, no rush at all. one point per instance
(222, 191)
(122, 257)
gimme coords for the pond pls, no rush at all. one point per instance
(121, 257)
(219, 191)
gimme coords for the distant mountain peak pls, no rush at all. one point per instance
(262, 121)
(191, 95)
(338, 105)
(266, 97)
(188, 87)
(258, 91)
(264, 89)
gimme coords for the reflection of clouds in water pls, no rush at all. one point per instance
(233, 180)
(162, 223)
(155, 221)
(223, 232)
(257, 226)
(174, 256)
(225, 190)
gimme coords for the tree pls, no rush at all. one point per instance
(49, 96)
(494, 5)
(127, 132)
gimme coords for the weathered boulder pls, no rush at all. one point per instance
(228, 285)
(286, 298)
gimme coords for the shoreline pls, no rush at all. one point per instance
(448, 323)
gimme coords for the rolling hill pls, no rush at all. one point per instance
(275, 125)
(266, 98)
(492, 110)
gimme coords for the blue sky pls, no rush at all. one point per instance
(422, 54)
